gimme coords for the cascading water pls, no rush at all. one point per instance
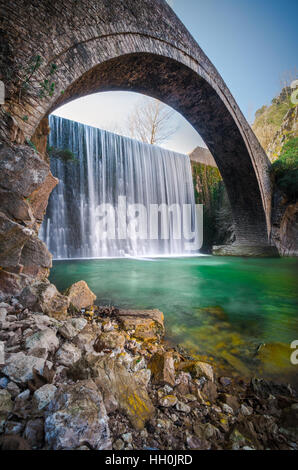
(107, 169)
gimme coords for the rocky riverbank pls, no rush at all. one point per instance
(78, 376)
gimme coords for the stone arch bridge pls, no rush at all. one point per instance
(55, 51)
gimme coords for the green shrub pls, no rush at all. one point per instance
(285, 169)
(65, 155)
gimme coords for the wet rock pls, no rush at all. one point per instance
(274, 357)
(146, 325)
(163, 369)
(34, 433)
(197, 369)
(80, 296)
(44, 297)
(72, 327)
(264, 389)
(68, 354)
(168, 401)
(6, 406)
(76, 416)
(45, 339)
(109, 341)
(44, 395)
(19, 367)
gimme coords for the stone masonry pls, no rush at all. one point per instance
(54, 52)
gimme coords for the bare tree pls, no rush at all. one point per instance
(151, 122)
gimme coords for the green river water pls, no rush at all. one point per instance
(219, 309)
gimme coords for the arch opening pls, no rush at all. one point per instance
(194, 98)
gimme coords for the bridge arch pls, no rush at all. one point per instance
(91, 46)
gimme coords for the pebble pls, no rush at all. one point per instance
(183, 407)
(127, 437)
(245, 411)
(225, 381)
(3, 382)
(168, 401)
(13, 389)
(118, 445)
(227, 409)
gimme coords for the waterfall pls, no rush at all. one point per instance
(107, 169)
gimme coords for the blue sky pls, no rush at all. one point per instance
(252, 43)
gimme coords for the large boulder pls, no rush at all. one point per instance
(77, 416)
(146, 325)
(44, 297)
(72, 327)
(80, 296)
(44, 395)
(110, 340)
(121, 390)
(87, 337)
(45, 339)
(68, 354)
(197, 369)
(163, 369)
(19, 367)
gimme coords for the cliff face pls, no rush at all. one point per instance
(284, 151)
(274, 125)
(219, 228)
(284, 232)
(287, 131)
